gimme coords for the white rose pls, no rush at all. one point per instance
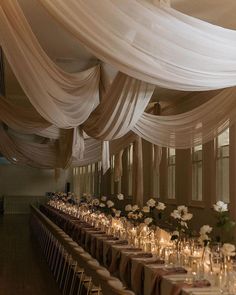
(130, 214)
(120, 197)
(103, 198)
(160, 206)
(128, 207)
(175, 233)
(110, 204)
(228, 249)
(135, 207)
(140, 215)
(187, 216)
(95, 202)
(203, 238)
(117, 213)
(151, 203)
(220, 207)
(148, 220)
(102, 205)
(182, 209)
(146, 209)
(175, 214)
(205, 229)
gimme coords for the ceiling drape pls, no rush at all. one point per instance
(63, 99)
(158, 45)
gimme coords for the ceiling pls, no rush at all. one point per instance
(66, 51)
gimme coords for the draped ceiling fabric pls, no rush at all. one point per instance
(191, 128)
(26, 120)
(148, 45)
(120, 109)
(158, 45)
(66, 100)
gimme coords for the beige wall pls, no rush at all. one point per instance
(27, 181)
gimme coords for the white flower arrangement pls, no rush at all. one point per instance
(223, 219)
(220, 206)
(204, 238)
(95, 202)
(181, 215)
(135, 208)
(102, 205)
(128, 207)
(151, 203)
(110, 204)
(148, 220)
(146, 209)
(175, 235)
(187, 216)
(103, 198)
(130, 214)
(160, 206)
(117, 212)
(120, 197)
(140, 215)
(228, 250)
(205, 229)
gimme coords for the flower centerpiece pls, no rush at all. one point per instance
(120, 197)
(224, 221)
(106, 206)
(228, 250)
(149, 211)
(160, 207)
(204, 238)
(181, 217)
(134, 214)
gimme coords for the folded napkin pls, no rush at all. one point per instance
(137, 275)
(159, 273)
(177, 288)
(125, 266)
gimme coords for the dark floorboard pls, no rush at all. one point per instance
(23, 270)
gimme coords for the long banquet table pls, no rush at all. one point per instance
(139, 271)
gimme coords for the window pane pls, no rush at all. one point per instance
(222, 179)
(197, 173)
(223, 138)
(155, 175)
(130, 169)
(222, 167)
(171, 173)
(171, 182)
(197, 181)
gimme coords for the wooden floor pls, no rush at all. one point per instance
(23, 270)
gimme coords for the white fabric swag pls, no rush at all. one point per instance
(158, 45)
(120, 109)
(191, 128)
(48, 155)
(63, 99)
(161, 46)
(26, 120)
